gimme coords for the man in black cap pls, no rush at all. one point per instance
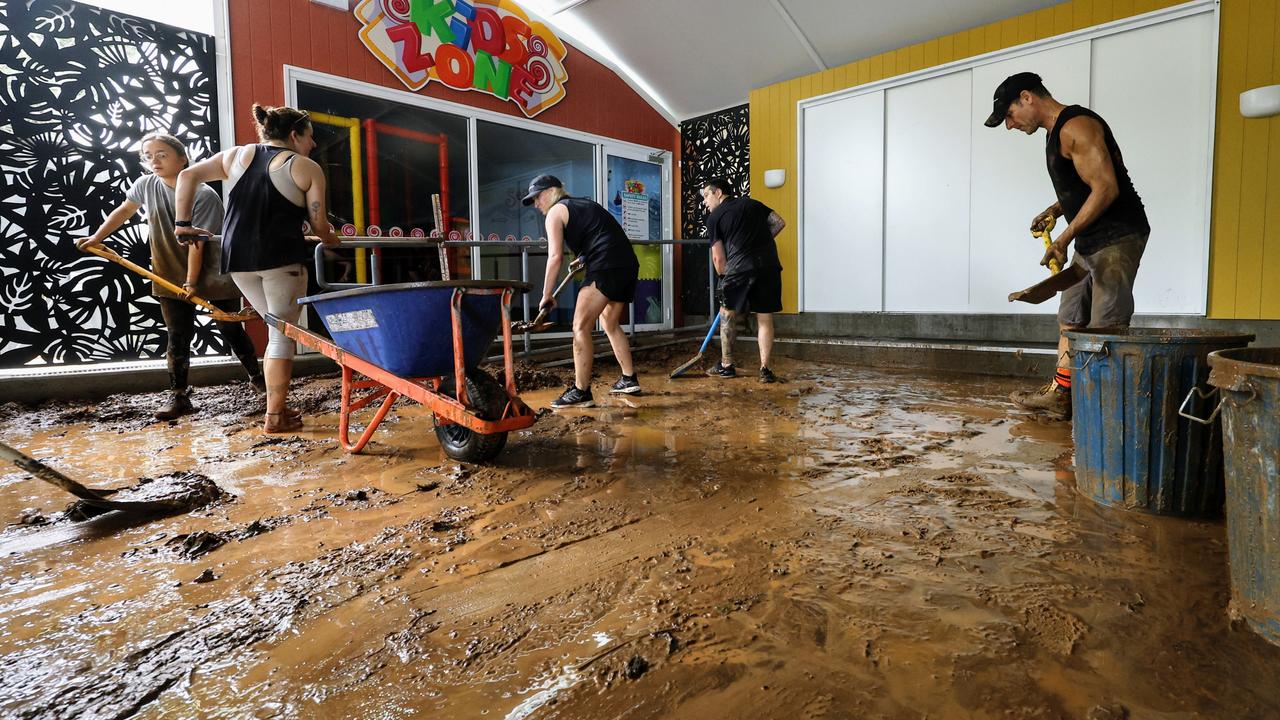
(1105, 215)
(743, 251)
(611, 273)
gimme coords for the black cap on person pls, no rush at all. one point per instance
(1008, 91)
(540, 183)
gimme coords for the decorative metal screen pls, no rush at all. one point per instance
(81, 86)
(712, 146)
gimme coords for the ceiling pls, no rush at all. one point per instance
(692, 57)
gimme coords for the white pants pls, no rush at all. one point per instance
(275, 291)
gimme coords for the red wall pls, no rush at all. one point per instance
(266, 35)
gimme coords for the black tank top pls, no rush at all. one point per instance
(263, 229)
(594, 235)
(1124, 217)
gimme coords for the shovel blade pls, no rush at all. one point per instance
(1050, 286)
(683, 368)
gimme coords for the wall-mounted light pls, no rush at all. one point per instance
(1260, 102)
(775, 178)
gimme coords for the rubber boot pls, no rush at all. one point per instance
(179, 405)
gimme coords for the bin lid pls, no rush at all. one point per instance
(1164, 336)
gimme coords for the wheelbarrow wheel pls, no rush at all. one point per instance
(487, 398)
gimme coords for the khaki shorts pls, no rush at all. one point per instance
(1104, 298)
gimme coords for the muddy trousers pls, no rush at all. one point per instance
(180, 324)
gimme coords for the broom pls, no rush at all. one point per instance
(693, 361)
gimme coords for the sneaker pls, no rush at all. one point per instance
(179, 405)
(626, 385)
(1049, 400)
(767, 376)
(573, 397)
(722, 371)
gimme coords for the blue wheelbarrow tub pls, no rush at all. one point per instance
(407, 328)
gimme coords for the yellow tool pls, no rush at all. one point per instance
(1045, 234)
(216, 313)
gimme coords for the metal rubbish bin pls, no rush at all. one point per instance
(1133, 450)
(1248, 381)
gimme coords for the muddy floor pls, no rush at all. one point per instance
(849, 544)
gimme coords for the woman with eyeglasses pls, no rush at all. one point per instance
(193, 267)
(272, 187)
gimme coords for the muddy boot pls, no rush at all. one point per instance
(259, 384)
(1049, 400)
(179, 405)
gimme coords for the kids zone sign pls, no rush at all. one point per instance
(486, 45)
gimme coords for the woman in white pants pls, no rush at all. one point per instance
(272, 188)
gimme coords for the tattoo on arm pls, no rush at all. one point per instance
(315, 210)
(776, 223)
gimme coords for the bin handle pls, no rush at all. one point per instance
(1242, 388)
(1182, 409)
(1104, 351)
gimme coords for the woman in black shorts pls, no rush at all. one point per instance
(612, 270)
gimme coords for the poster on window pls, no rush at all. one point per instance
(635, 215)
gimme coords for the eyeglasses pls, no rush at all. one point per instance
(161, 156)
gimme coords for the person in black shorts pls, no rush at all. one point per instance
(612, 270)
(1107, 220)
(742, 232)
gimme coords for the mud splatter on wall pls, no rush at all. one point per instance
(82, 86)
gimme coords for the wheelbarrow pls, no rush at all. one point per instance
(424, 341)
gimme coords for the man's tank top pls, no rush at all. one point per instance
(263, 228)
(1124, 217)
(594, 235)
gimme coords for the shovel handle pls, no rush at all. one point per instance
(44, 472)
(574, 267)
(217, 313)
(707, 340)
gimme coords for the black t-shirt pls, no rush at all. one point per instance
(595, 236)
(1123, 218)
(742, 224)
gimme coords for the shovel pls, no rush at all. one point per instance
(217, 314)
(1058, 281)
(694, 361)
(539, 323)
(95, 498)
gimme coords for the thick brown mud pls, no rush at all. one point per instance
(849, 544)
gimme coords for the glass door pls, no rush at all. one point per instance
(637, 190)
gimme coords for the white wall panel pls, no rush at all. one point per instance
(1154, 87)
(843, 204)
(1010, 183)
(927, 135)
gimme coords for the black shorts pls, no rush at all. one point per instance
(617, 284)
(758, 292)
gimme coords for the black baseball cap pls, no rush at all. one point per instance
(1008, 91)
(540, 183)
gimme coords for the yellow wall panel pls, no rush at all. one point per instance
(1271, 237)
(1244, 250)
(1082, 14)
(1103, 10)
(1228, 156)
(931, 54)
(1063, 19)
